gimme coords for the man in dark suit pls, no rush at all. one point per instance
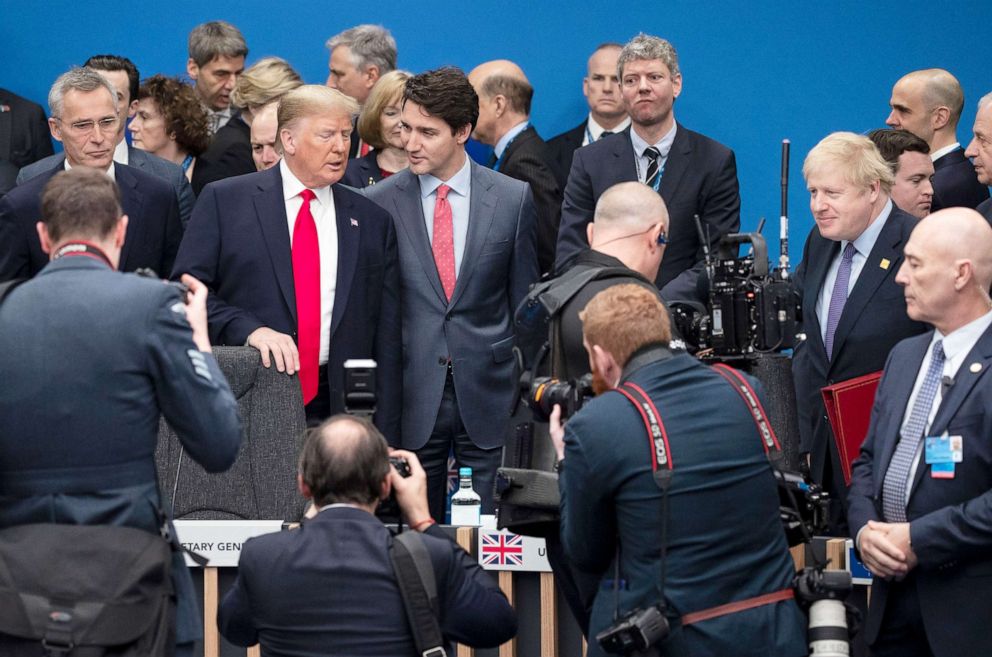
(123, 75)
(607, 114)
(912, 169)
(302, 269)
(921, 493)
(329, 588)
(518, 151)
(466, 247)
(852, 309)
(90, 359)
(85, 120)
(217, 52)
(693, 174)
(980, 150)
(616, 521)
(928, 103)
(24, 135)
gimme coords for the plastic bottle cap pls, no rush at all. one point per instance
(464, 472)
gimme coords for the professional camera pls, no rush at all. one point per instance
(359, 387)
(401, 465)
(832, 622)
(544, 392)
(803, 507)
(637, 631)
(749, 310)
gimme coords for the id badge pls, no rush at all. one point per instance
(941, 453)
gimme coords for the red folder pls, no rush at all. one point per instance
(848, 405)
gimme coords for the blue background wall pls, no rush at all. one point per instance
(754, 72)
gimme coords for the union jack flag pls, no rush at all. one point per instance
(502, 550)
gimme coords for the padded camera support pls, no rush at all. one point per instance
(261, 485)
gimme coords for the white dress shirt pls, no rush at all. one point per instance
(936, 155)
(324, 216)
(459, 198)
(863, 246)
(110, 171)
(510, 135)
(594, 131)
(120, 152)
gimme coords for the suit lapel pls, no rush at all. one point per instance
(885, 252)
(902, 377)
(270, 211)
(349, 239)
(964, 381)
(827, 250)
(676, 164)
(482, 209)
(409, 214)
(132, 202)
(624, 168)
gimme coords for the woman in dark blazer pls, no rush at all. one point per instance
(379, 127)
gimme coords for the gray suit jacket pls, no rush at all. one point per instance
(151, 164)
(474, 329)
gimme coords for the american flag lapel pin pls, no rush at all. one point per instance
(354, 222)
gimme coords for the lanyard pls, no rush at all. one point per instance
(82, 249)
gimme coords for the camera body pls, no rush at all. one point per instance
(748, 309)
(639, 630)
(813, 584)
(401, 465)
(544, 392)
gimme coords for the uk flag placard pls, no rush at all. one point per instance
(503, 550)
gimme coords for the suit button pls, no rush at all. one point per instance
(447, 317)
(441, 360)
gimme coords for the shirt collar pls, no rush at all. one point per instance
(958, 341)
(110, 171)
(596, 130)
(291, 186)
(460, 183)
(505, 140)
(120, 152)
(664, 145)
(866, 240)
(936, 155)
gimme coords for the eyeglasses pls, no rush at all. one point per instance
(106, 124)
(662, 237)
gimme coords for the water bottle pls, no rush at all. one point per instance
(466, 505)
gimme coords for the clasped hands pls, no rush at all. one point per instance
(885, 549)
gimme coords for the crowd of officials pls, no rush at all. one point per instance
(321, 223)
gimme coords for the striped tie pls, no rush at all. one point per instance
(897, 476)
(654, 166)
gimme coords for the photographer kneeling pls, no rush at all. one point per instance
(329, 588)
(666, 492)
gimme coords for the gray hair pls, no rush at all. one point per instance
(984, 100)
(370, 45)
(215, 39)
(77, 79)
(644, 46)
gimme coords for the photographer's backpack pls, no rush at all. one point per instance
(526, 484)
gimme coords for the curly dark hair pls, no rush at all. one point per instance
(445, 93)
(181, 109)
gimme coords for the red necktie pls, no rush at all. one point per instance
(444, 241)
(363, 148)
(306, 280)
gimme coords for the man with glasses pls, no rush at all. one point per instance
(693, 174)
(84, 117)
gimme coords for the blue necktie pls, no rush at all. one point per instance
(839, 297)
(897, 476)
(652, 177)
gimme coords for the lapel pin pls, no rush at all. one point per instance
(884, 264)
(354, 222)
(975, 368)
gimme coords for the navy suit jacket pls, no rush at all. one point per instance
(328, 588)
(474, 328)
(700, 177)
(91, 358)
(608, 496)
(950, 519)
(238, 244)
(873, 321)
(955, 183)
(362, 171)
(985, 209)
(525, 159)
(228, 155)
(561, 148)
(139, 159)
(24, 135)
(153, 229)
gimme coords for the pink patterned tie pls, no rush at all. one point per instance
(444, 241)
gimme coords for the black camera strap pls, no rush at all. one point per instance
(418, 588)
